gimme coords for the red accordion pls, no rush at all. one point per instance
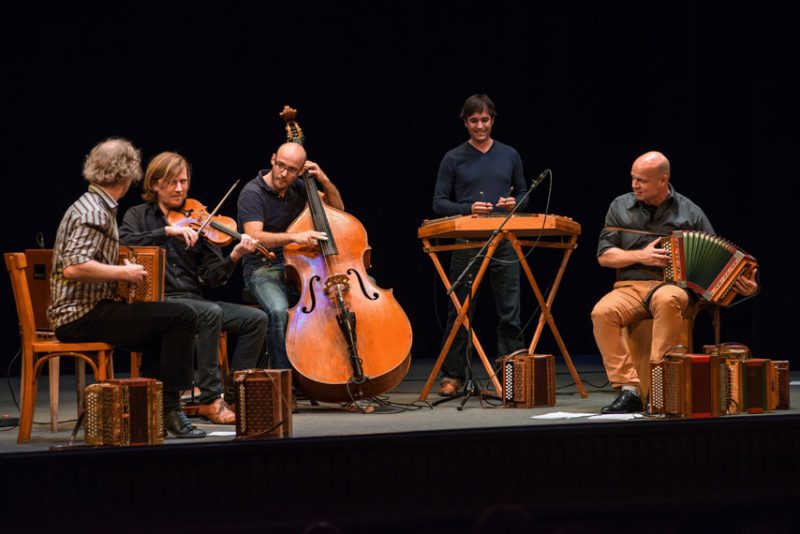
(688, 385)
(706, 264)
(779, 385)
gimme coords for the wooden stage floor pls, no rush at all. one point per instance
(409, 468)
(404, 413)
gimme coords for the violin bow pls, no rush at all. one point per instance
(213, 213)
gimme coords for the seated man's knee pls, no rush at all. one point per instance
(602, 311)
(669, 296)
(211, 316)
(260, 321)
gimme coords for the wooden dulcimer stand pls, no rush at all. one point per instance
(545, 231)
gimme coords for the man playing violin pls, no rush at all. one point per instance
(193, 262)
(86, 270)
(267, 206)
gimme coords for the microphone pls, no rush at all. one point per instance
(539, 179)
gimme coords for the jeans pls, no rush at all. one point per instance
(267, 284)
(247, 324)
(504, 278)
(164, 327)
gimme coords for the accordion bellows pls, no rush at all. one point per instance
(125, 412)
(706, 264)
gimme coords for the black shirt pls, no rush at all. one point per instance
(187, 268)
(676, 213)
(257, 202)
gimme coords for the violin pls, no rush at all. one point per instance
(218, 229)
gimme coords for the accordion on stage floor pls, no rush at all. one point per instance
(706, 264)
(154, 261)
(706, 385)
(263, 403)
(528, 379)
(779, 385)
(688, 385)
(125, 412)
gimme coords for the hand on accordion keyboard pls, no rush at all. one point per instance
(746, 285)
(133, 273)
(652, 255)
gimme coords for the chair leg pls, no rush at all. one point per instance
(54, 370)
(80, 384)
(27, 397)
(224, 365)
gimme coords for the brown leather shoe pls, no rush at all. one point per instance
(218, 413)
(448, 389)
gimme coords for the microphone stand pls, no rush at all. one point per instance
(497, 230)
(470, 388)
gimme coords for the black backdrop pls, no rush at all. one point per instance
(581, 88)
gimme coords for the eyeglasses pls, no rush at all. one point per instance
(291, 171)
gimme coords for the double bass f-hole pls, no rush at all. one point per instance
(374, 296)
(311, 293)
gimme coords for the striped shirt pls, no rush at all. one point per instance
(88, 231)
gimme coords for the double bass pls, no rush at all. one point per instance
(346, 338)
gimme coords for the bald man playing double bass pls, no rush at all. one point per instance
(653, 207)
(267, 206)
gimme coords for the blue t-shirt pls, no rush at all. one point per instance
(465, 172)
(257, 202)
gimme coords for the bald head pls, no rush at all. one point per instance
(650, 178)
(292, 151)
(655, 161)
(287, 165)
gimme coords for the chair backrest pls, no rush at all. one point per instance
(40, 265)
(17, 267)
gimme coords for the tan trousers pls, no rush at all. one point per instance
(623, 306)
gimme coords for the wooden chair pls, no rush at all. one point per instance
(39, 347)
(639, 336)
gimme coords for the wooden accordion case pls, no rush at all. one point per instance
(154, 261)
(706, 264)
(125, 412)
(263, 403)
(528, 380)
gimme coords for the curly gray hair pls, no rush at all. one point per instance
(113, 161)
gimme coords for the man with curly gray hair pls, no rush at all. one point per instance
(86, 270)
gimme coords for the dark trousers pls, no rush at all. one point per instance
(164, 327)
(503, 274)
(247, 324)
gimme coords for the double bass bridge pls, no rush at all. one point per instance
(335, 284)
